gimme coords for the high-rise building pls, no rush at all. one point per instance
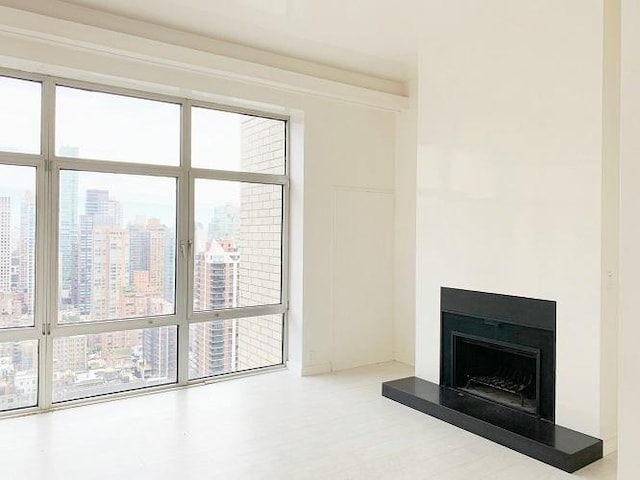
(82, 286)
(96, 202)
(96, 287)
(68, 226)
(216, 278)
(110, 276)
(26, 283)
(158, 350)
(5, 244)
(157, 251)
(169, 293)
(138, 248)
(212, 344)
(225, 222)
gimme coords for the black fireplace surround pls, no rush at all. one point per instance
(505, 341)
(497, 377)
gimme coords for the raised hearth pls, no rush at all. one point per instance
(497, 377)
(540, 439)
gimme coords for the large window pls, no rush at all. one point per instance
(142, 241)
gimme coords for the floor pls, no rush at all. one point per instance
(272, 426)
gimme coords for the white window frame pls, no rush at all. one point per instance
(48, 166)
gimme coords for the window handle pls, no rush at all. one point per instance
(185, 247)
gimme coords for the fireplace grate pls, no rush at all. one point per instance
(506, 379)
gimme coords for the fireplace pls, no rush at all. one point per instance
(500, 348)
(497, 377)
(501, 372)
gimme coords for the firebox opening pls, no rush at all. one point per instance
(498, 371)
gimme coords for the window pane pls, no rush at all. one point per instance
(231, 141)
(233, 345)
(238, 244)
(103, 126)
(117, 248)
(18, 374)
(17, 245)
(97, 364)
(20, 115)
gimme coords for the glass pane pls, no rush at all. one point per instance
(17, 245)
(233, 345)
(103, 126)
(238, 244)
(102, 363)
(117, 248)
(231, 141)
(18, 374)
(20, 115)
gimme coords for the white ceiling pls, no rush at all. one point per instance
(375, 37)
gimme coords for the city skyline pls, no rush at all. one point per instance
(117, 252)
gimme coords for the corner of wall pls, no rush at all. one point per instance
(610, 221)
(405, 231)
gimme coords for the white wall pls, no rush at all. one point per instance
(509, 195)
(404, 337)
(610, 223)
(346, 144)
(347, 148)
(629, 326)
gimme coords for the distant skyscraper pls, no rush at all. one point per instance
(110, 271)
(81, 289)
(170, 265)
(138, 248)
(5, 244)
(157, 252)
(225, 222)
(100, 212)
(26, 282)
(104, 211)
(96, 202)
(68, 226)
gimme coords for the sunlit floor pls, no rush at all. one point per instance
(272, 426)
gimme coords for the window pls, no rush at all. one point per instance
(101, 126)
(237, 227)
(156, 263)
(117, 246)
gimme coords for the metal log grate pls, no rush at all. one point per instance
(506, 379)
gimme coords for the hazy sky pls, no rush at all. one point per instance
(19, 116)
(101, 126)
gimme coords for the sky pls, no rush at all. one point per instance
(99, 126)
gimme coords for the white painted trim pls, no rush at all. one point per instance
(28, 36)
(102, 19)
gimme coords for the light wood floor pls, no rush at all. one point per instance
(272, 426)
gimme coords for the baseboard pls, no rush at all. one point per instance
(315, 369)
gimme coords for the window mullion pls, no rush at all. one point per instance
(46, 211)
(183, 253)
(59, 312)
